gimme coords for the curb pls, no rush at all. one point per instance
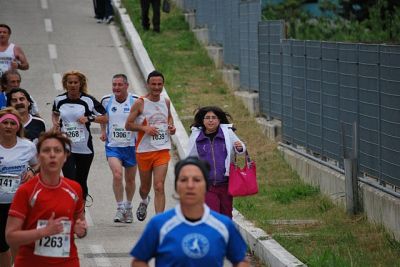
(264, 247)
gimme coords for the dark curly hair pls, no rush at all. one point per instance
(201, 112)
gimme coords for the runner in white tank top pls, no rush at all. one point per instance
(151, 117)
(6, 57)
(11, 55)
(154, 114)
(120, 146)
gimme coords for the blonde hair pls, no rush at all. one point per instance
(82, 79)
(13, 111)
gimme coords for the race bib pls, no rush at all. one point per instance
(75, 131)
(119, 134)
(55, 245)
(162, 137)
(9, 183)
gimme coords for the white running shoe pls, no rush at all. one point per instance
(128, 215)
(119, 216)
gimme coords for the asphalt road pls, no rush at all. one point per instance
(58, 36)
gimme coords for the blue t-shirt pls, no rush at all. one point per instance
(3, 100)
(174, 241)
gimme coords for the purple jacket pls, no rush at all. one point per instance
(215, 153)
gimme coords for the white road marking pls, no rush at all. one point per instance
(135, 84)
(48, 25)
(52, 51)
(101, 261)
(43, 4)
(57, 81)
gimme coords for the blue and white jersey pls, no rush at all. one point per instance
(174, 241)
(117, 113)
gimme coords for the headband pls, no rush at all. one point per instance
(10, 117)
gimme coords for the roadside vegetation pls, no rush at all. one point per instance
(371, 21)
(326, 236)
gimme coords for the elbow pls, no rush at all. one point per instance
(10, 239)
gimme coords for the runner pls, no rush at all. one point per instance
(12, 79)
(47, 211)
(120, 145)
(190, 234)
(18, 164)
(151, 117)
(11, 55)
(20, 99)
(73, 112)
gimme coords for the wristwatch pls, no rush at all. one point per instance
(31, 169)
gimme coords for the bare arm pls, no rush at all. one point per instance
(103, 136)
(80, 227)
(55, 119)
(22, 63)
(97, 119)
(16, 237)
(138, 263)
(131, 124)
(135, 111)
(29, 174)
(171, 126)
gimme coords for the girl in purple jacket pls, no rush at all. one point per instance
(213, 140)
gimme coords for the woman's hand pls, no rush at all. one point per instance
(54, 226)
(238, 146)
(80, 228)
(83, 120)
(27, 175)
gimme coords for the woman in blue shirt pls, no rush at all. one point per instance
(190, 234)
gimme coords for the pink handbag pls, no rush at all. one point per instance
(243, 181)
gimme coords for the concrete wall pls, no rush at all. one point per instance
(381, 208)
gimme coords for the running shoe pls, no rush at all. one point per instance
(142, 210)
(109, 19)
(119, 216)
(128, 216)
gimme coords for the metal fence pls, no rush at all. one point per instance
(319, 89)
(233, 25)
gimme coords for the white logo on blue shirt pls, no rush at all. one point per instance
(195, 246)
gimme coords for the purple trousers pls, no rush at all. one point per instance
(219, 200)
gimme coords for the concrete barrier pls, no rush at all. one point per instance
(380, 207)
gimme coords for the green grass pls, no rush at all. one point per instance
(193, 81)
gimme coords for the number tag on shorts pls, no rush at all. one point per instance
(162, 137)
(119, 134)
(55, 245)
(9, 183)
(75, 131)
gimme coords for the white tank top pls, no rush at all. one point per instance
(117, 135)
(6, 58)
(154, 114)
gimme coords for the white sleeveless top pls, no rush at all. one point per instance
(6, 58)
(154, 114)
(117, 135)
